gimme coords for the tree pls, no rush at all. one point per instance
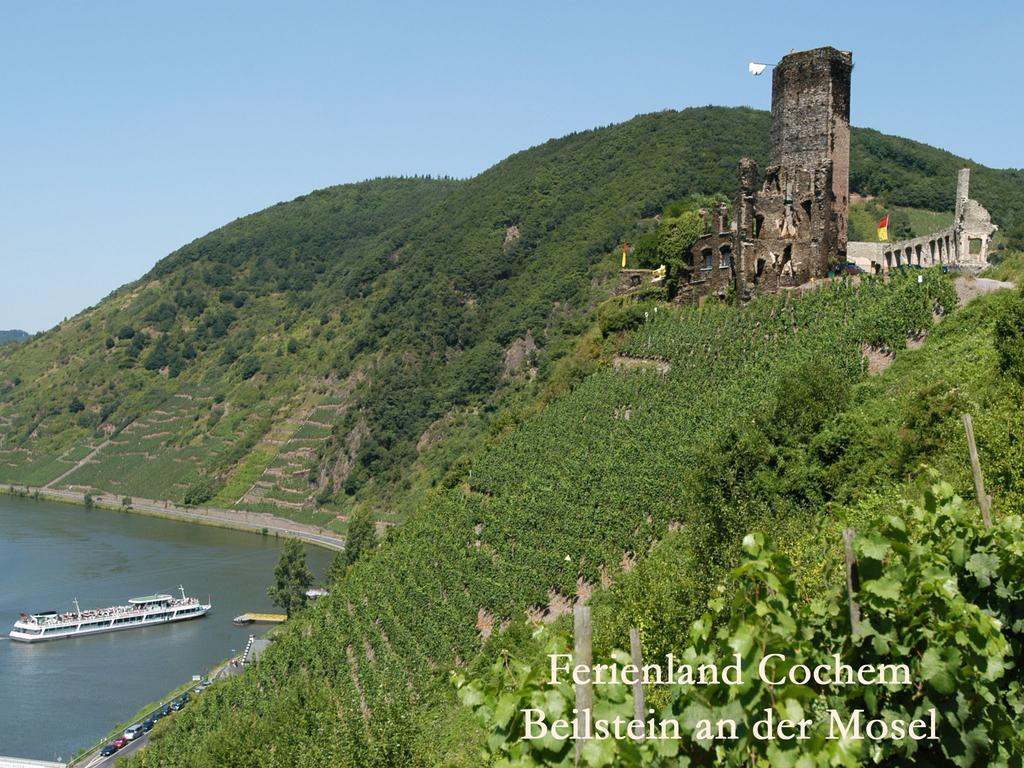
(675, 238)
(158, 356)
(250, 367)
(292, 578)
(900, 227)
(645, 252)
(1009, 339)
(361, 537)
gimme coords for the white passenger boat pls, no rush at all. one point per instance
(140, 612)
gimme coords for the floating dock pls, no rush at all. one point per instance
(260, 618)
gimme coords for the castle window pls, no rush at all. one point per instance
(726, 256)
(974, 246)
(758, 223)
(708, 255)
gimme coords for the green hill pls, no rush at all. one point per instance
(766, 419)
(343, 350)
(432, 349)
(9, 336)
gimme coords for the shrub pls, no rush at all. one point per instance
(200, 492)
(615, 318)
(1009, 340)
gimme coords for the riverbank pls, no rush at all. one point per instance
(54, 552)
(254, 522)
(90, 756)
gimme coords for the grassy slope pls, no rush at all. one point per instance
(864, 218)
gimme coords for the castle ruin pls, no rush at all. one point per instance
(789, 226)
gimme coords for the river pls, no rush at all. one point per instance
(59, 696)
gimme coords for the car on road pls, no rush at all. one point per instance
(849, 268)
(164, 711)
(179, 703)
(147, 725)
(134, 732)
(119, 742)
(108, 750)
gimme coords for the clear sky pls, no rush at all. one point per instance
(129, 129)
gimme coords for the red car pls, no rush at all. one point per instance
(119, 742)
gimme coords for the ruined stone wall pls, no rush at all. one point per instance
(631, 280)
(973, 222)
(950, 246)
(710, 266)
(937, 248)
(788, 234)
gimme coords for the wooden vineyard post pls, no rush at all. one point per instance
(583, 632)
(638, 686)
(852, 582)
(984, 501)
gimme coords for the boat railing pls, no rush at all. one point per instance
(117, 611)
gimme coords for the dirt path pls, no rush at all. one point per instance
(79, 465)
(969, 288)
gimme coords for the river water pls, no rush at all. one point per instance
(59, 696)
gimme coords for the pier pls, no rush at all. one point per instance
(260, 618)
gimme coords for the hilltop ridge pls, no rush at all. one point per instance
(12, 335)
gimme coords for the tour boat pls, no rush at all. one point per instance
(140, 612)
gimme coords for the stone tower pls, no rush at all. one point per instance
(811, 120)
(789, 224)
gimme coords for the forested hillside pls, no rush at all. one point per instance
(8, 336)
(342, 350)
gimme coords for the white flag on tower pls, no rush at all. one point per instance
(756, 69)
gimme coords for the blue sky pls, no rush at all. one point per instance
(129, 129)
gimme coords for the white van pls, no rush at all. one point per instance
(134, 732)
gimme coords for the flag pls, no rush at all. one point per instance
(625, 250)
(756, 69)
(883, 228)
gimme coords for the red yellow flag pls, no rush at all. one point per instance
(883, 228)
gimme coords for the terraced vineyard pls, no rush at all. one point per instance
(288, 481)
(565, 504)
